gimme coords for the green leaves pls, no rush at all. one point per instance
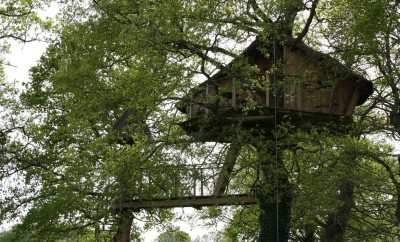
(100, 124)
(174, 235)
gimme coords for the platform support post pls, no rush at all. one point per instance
(227, 168)
(125, 220)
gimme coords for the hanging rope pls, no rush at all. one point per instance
(276, 180)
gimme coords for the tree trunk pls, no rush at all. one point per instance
(124, 136)
(125, 220)
(397, 222)
(336, 223)
(124, 217)
(275, 201)
(97, 233)
(309, 234)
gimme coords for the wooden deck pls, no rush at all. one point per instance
(225, 127)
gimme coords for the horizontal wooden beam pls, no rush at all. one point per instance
(250, 118)
(195, 201)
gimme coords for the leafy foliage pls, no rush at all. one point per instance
(96, 125)
(174, 235)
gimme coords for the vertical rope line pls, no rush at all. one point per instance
(276, 141)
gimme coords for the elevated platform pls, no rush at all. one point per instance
(224, 126)
(193, 201)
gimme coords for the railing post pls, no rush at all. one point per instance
(194, 182)
(267, 90)
(201, 182)
(206, 101)
(175, 187)
(140, 180)
(233, 93)
(190, 106)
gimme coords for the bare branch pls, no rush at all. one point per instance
(14, 15)
(309, 21)
(259, 12)
(12, 36)
(213, 48)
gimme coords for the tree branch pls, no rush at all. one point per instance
(192, 46)
(309, 21)
(14, 15)
(12, 36)
(259, 12)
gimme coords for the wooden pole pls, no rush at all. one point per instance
(267, 91)
(233, 93)
(194, 182)
(227, 168)
(201, 182)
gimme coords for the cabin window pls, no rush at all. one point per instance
(227, 95)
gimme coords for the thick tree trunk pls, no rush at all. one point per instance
(125, 220)
(124, 136)
(309, 234)
(336, 223)
(275, 201)
(398, 210)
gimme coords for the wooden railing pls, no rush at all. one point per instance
(183, 186)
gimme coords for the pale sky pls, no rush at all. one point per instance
(21, 58)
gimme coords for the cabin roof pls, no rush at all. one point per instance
(329, 64)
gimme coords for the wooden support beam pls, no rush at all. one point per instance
(352, 103)
(196, 201)
(227, 168)
(251, 118)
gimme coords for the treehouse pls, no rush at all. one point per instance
(268, 82)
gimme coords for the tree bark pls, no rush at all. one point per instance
(309, 234)
(125, 220)
(275, 200)
(125, 217)
(336, 223)
(397, 222)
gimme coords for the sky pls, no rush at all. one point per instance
(20, 59)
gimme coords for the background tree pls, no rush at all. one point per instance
(20, 20)
(174, 235)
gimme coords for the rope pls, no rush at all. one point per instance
(276, 182)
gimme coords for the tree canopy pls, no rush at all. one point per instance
(97, 123)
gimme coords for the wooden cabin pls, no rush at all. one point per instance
(291, 80)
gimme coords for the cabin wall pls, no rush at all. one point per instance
(304, 85)
(202, 100)
(346, 97)
(233, 93)
(307, 86)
